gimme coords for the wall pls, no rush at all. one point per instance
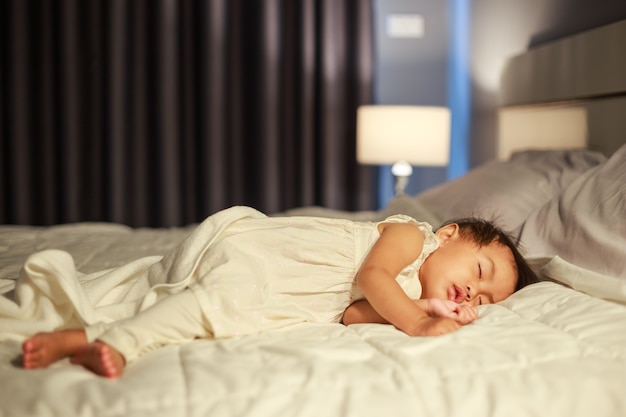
(411, 70)
(467, 41)
(501, 29)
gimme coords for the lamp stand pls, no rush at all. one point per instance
(401, 170)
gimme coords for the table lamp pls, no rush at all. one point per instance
(403, 136)
(541, 127)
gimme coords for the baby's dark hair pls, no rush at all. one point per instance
(483, 232)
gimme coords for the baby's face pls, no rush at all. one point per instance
(462, 272)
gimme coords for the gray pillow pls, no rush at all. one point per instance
(586, 223)
(411, 207)
(508, 191)
(398, 205)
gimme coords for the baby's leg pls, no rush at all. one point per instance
(43, 349)
(174, 319)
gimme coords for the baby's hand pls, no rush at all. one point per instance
(444, 316)
(460, 313)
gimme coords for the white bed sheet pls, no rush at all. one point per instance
(547, 350)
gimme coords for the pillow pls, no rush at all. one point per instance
(398, 205)
(411, 207)
(586, 224)
(508, 191)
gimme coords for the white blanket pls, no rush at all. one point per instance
(52, 294)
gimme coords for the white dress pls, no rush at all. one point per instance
(240, 272)
(270, 272)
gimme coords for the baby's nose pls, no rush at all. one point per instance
(470, 292)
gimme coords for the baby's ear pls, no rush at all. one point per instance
(447, 232)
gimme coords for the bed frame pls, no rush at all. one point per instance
(567, 93)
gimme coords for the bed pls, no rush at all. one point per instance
(557, 347)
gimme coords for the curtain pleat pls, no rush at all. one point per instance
(159, 113)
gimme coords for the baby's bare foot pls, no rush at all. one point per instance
(100, 358)
(44, 349)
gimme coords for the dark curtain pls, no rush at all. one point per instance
(161, 112)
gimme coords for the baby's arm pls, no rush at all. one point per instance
(399, 244)
(362, 311)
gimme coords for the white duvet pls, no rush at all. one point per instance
(548, 350)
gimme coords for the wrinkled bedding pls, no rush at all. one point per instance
(547, 350)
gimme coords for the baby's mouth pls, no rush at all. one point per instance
(456, 294)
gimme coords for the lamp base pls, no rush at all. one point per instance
(401, 170)
(401, 183)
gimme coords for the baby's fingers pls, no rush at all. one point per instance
(466, 314)
(443, 308)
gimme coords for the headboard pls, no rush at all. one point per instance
(566, 94)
